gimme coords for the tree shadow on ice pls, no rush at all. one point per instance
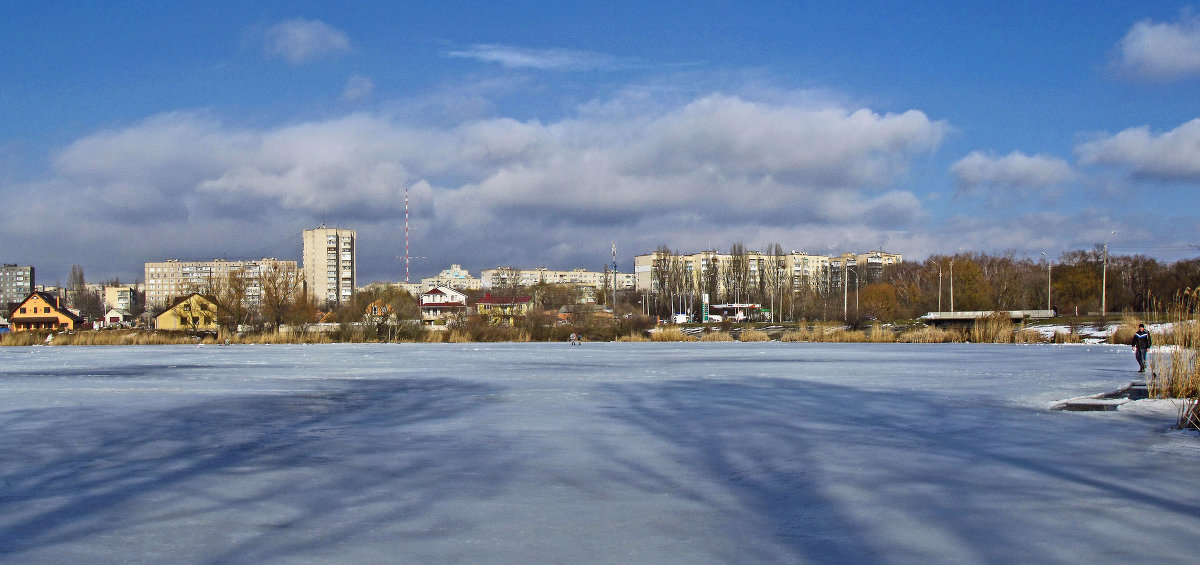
(250, 476)
(829, 473)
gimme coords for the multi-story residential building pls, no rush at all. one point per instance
(710, 271)
(16, 283)
(455, 277)
(119, 297)
(170, 279)
(330, 265)
(512, 276)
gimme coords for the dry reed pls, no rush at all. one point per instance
(1174, 369)
(753, 335)
(1066, 337)
(996, 327)
(1123, 335)
(929, 334)
(670, 334)
(716, 336)
(635, 337)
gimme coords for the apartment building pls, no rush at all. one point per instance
(711, 270)
(330, 265)
(170, 279)
(16, 283)
(119, 297)
(455, 277)
(512, 276)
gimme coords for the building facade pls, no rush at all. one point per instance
(330, 265)
(713, 272)
(170, 279)
(16, 282)
(455, 277)
(194, 312)
(41, 311)
(501, 277)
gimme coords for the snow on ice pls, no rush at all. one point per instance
(606, 453)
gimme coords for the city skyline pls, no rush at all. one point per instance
(527, 134)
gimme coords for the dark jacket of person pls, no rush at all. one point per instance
(1141, 339)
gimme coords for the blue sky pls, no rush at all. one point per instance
(535, 135)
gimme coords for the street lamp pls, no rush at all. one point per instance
(1104, 278)
(952, 278)
(846, 291)
(1049, 267)
(939, 287)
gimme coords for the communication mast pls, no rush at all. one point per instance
(614, 277)
(407, 257)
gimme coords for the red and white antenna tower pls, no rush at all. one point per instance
(407, 257)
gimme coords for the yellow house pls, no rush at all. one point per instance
(42, 311)
(503, 310)
(194, 312)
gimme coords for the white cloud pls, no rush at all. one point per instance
(1160, 51)
(540, 59)
(498, 190)
(1169, 156)
(300, 41)
(358, 87)
(1013, 171)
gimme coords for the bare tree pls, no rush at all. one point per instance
(233, 308)
(282, 291)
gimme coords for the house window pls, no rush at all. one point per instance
(22, 310)
(46, 310)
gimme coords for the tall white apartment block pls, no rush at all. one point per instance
(330, 265)
(166, 280)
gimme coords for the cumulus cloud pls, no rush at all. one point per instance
(1013, 171)
(300, 41)
(540, 59)
(1169, 156)
(499, 190)
(1160, 51)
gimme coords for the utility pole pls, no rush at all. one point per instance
(1104, 278)
(1049, 268)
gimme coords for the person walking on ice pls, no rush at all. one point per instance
(1141, 344)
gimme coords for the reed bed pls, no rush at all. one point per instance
(716, 336)
(670, 334)
(929, 334)
(635, 337)
(1174, 368)
(879, 333)
(1066, 337)
(993, 328)
(1026, 335)
(1124, 333)
(753, 335)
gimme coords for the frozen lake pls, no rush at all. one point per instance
(604, 453)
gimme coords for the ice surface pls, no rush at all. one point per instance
(605, 453)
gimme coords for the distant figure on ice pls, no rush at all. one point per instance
(1141, 344)
(574, 339)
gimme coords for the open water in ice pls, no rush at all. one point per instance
(602, 453)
